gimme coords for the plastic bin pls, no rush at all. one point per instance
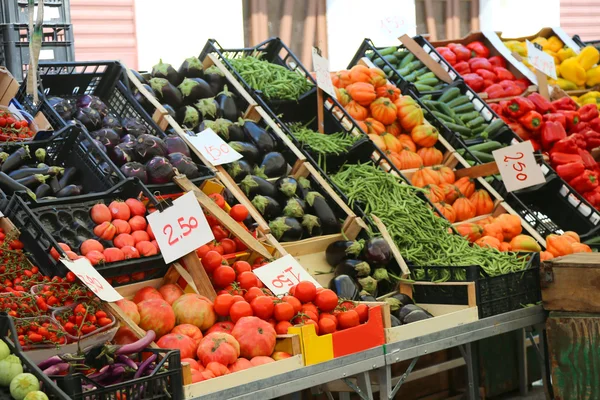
(495, 294)
(68, 220)
(57, 45)
(17, 12)
(47, 385)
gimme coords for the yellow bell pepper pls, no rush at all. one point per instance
(589, 95)
(588, 57)
(517, 47)
(554, 55)
(565, 52)
(557, 68)
(592, 76)
(572, 71)
(542, 41)
(553, 44)
(565, 84)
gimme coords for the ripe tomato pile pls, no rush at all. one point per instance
(12, 128)
(83, 319)
(39, 331)
(50, 296)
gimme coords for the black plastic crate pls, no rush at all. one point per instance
(73, 147)
(17, 12)
(7, 328)
(57, 45)
(102, 79)
(70, 218)
(165, 382)
(368, 49)
(581, 43)
(495, 294)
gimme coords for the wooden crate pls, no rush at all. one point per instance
(573, 355)
(288, 343)
(569, 283)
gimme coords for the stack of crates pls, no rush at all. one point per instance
(57, 41)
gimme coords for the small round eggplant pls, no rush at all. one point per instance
(247, 150)
(253, 185)
(133, 126)
(114, 123)
(339, 250)
(166, 71)
(135, 170)
(267, 206)
(123, 153)
(175, 144)
(89, 117)
(149, 146)
(159, 170)
(286, 229)
(353, 268)
(108, 137)
(345, 287)
(184, 164)
(377, 251)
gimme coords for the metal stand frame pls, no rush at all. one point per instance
(381, 359)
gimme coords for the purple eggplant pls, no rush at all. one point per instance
(311, 225)
(16, 159)
(69, 190)
(321, 208)
(286, 229)
(166, 71)
(345, 287)
(149, 146)
(108, 137)
(188, 117)
(238, 170)
(194, 89)
(50, 362)
(143, 366)
(135, 170)
(273, 165)
(190, 68)
(184, 164)
(340, 250)
(57, 369)
(124, 153)
(215, 78)
(89, 117)
(129, 138)
(267, 206)
(208, 108)
(159, 170)
(377, 252)
(114, 123)
(227, 106)
(175, 144)
(64, 107)
(132, 126)
(166, 92)
(137, 346)
(91, 101)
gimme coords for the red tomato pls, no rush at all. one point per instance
(211, 261)
(326, 300)
(363, 312)
(247, 280)
(253, 293)
(229, 246)
(348, 319)
(223, 275)
(240, 309)
(305, 291)
(202, 250)
(238, 212)
(329, 316)
(220, 233)
(223, 303)
(217, 198)
(282, 327)
(262, 307)
(313, 323)
(294, 302)
(283, 311)
(309, 307)
(241, 266)
(348, 305)
(2, 122)
(326, 325)
(239, 245)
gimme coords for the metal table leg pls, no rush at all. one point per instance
(522, 362)
(384, 376)
(543, 357)
(469, 353)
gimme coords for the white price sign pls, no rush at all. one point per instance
(321, 67)
(180, 229)
(88, 275)
(541, 61)
(394, 26)
(213, 148)
(282, 274)
(517, 166)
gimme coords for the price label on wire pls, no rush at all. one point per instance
(517, 166)
(280, 275)
(321, 67)
(180, 229)
(88, 275)
(213, 148)
(541, 61)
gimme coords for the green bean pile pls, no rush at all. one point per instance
(422, 237)
(274, 81)
(323, 145)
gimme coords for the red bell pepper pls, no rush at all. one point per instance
(510, 88)
(461, 52)
(504, 74)
(570, 170)
(487, 83)
(497, 108)
(588, 160)
(478, 49)
(519, 130)
(522, 83)
(532, 121)
(588, 112)
(579, 140)
(518, 107)
(565, 103)
(564, 158)
(572, 118)
(585, 182)
(479, 63)
(580, 127)
(447, 54)
(592, 139)
(487, 75)
(595, 124)
(552, 132)
(593, 197)
(536, 144)
(474, 81)
(462, 67)
(497, 61)
(495, 91)
(506, 120)
(556, 117)
(542, 105)
(565, 145)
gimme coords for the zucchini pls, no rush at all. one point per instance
(400, 54)
(387, 51)
(387, 69)
(464, 108)
(459, 129)
(446, 110)
(423, 88)
(442, 116)
(432, 105)
(468, 116)
(475, 123)
(486, 147)
(423, 71)
(471, 162)
(429, 81)
(440, 86)
(428, 75)
(594, 240)
(459, 101)
(411, 77)
(479, 130)
(449, 94)
(410, 57)
(494, 126)
(426, 97)
(483, 157)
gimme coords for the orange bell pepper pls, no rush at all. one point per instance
(545, 255)
(580, 248)
(558, 245)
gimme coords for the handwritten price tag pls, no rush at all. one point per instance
(213, 148)
(394, 26)
(540, 60)
(92, 279)
(321, 67)
(180, 229)
(518, 167)
(281, 275)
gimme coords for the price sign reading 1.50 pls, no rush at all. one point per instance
(213, 148)
(92, 279)
(288, 278)
(282, 274)
(517, 166)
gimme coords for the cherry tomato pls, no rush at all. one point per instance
(294, 302)
(211, 261)
(282, 327)
(262, 307)
(10, 121)
(326, 300)
(35, 337)
(348, 319)
(247, 280)
(71, 277)
(305, 291)
(229, 246)
(253, 293)
(223, 275)
(234, 290)
(283, 311)
(363, 312)
(104, 321)
(326, 325)
(240, 309)
(238, 212)
(241, 266)
(3, 122)
(223, 303)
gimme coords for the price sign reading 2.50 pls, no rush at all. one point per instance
(186, 229)
(282, 274)
(517, 165)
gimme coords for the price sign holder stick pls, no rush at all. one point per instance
(320, 116)
(425, 58)
(543, 87)
(193, 265)
(208, 204)
(395, 251)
